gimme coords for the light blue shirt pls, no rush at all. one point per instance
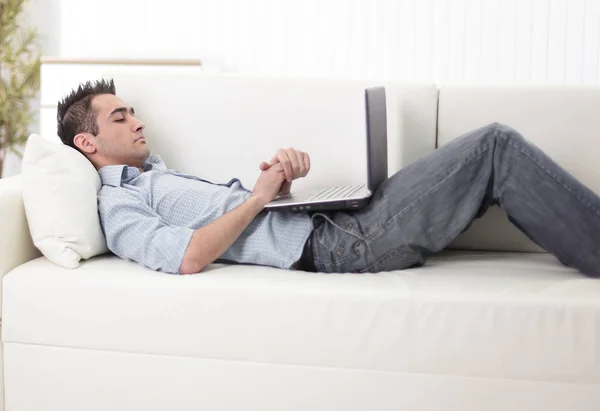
(150, 217)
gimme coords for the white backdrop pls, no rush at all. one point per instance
(441, 41)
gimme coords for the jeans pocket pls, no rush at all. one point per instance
(339, 246)
(331, 238)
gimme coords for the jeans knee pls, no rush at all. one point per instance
(504, 133)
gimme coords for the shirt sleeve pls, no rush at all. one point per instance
(134, 231)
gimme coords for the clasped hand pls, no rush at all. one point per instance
(277, 175)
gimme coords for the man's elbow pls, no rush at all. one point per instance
(195, 258)
(191, 266)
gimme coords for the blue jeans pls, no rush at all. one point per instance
(425, 206)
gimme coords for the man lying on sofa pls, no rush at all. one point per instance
(178, 223)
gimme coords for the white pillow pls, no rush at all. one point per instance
(60, 188)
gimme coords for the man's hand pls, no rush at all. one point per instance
(295, 163)
(269, 184)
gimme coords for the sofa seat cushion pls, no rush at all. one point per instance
(480, 314)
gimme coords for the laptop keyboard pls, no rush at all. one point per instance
(335, 192)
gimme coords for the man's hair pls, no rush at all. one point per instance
(75, 113)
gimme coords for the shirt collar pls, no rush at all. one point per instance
(115, 175)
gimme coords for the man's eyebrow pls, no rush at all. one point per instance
(122, 110)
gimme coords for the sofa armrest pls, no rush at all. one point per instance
(16, 245)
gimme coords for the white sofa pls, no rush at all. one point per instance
(493, 324)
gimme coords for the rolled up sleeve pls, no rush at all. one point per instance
(134, 231)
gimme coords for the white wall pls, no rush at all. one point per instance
(441, 41)
(457, 41)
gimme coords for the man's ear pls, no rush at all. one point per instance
(85, 142)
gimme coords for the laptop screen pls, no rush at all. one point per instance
(377, 159)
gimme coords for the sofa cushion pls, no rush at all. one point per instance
(561, 120)
(59, 194)
(497, 315)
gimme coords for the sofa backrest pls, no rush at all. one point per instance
(563, 121)
(222, 126)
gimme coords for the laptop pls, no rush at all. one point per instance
(350, 196)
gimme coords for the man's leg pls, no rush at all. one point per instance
(425, 206)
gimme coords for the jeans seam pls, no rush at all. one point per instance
(340, 260)
(337, 225)
(395, 253)
(376, 231)
(336, 261)
(556, 178)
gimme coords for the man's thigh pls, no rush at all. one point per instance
(417, 211)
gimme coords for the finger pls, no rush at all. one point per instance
(286, 163)
(306, 162)
(264, 166)
(300, 161)
(278, 174)
(289, 164)
(295, 163)
(285, 188)
(303, 169)
(277, 168)
(274, 160)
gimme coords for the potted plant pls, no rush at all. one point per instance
(19, 77)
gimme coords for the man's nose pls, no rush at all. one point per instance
(140, 126)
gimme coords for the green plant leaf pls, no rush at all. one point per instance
(19, 75)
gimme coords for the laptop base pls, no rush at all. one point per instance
(350, 204)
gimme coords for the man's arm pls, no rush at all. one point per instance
(208, 243)
(134, 231)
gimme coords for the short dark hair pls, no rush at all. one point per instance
(75, 113)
